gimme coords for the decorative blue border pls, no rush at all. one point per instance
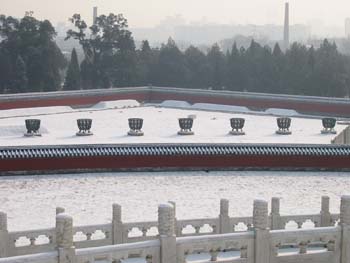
(30, 152)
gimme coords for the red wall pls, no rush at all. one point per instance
(70, 101)
(181, 162)
(300, 106)
(306, 105)
(164, 162)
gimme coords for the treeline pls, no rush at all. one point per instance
(29, 57)
(31, 61)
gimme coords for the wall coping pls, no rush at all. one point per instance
(64, 151)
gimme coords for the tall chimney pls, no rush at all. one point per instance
(286, 27)
(94, 14)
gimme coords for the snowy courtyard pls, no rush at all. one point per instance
(110, 124)
(30, 201)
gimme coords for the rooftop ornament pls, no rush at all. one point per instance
(237, 125)
(283, 126)
(135, 125)
(32, 126)
(84, 126)
(185, 126)
(328, 125)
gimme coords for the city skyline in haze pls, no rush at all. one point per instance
(152, 12)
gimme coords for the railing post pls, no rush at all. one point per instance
(262, 235)
(4, 236)
(326, 218)
(345, 228)
(224, 219)
(117, 225)
(64, 239)
(275, 214)
(175, 221)
(167, 236)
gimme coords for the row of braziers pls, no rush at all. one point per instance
(186, 124)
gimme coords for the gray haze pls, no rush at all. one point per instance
(142, 13)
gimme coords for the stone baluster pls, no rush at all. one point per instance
(331, 245)
(345, 228)
(300, 224)
(197, 230)
(4, 236)
(275, 214)
(144, 231)
(117, 226)
(214, 255)
(326, 218)
(303, 247)
(224, 219)
(64, 239)
(166, 219)
(244, 252)
(275, 250)
(32, 241)
(60, 210)
(214, 229)
(262, 235)
(250, 227)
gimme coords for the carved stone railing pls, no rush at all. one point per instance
(258, 245)
(92, 236)
(241, 243)
(149, 251)
(342, 138)
(294, 245)
(144, 229)
(48, 257)
(199, 227)
(118, 232)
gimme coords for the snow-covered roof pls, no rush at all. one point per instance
(110, 125)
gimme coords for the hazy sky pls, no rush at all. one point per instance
(149, 12)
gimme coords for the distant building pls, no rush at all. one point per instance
(347, 27)
(94, 14)
(286, 27)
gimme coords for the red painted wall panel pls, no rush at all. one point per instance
(164, 162)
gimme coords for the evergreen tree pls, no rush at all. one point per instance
(235, 78)
(217, 66)
(20, 80)
(31, 41)
(146, 63)
(171, 68)
(198, 69)
(72, 81)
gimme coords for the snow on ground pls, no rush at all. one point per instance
(174, 104)
(282, 112)
(118, 104)
(110, 125)
(218, 107)
(30, 201)
(34, 111)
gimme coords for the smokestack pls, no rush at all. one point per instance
(94, 14)
(286, 27)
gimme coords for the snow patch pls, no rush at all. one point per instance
(34, 111)
(117, 104)
(175, 104)
(282, 112)
(219, 107)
